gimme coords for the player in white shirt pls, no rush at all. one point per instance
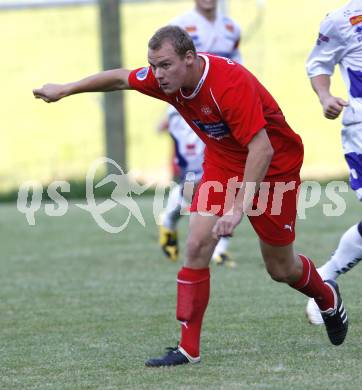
(214, 33)
(211, 31)
(340, 42)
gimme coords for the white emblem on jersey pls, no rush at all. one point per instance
(142, 73)
(206, 110)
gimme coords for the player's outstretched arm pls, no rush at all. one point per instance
(332, 105)
(110, 80)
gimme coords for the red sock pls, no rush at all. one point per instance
(193, 291)
(312, 285)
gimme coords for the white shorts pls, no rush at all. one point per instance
(189, 149)
(352, 147)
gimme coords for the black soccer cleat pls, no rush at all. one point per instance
(336, 320)
(174, 357)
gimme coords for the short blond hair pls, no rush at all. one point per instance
(179, 39)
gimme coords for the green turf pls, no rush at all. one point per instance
(83, 309)
(48, 142)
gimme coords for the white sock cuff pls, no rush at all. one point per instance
(335, 299)
(189, 357)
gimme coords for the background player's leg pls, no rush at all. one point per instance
(173, 208)
(347, 255)
(349, 250)
(221, 255)
(168, 237)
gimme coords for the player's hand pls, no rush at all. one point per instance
(224, 227)
(333, 106)
(50, 92)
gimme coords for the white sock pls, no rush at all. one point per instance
(173, 208)
(347, 255)
(222, 246)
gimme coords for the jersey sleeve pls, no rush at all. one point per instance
(142, 80)
(242, 109)
(328, 50)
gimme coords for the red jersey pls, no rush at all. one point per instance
(227, 109)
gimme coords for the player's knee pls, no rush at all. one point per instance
(278, 275)
(194, 248)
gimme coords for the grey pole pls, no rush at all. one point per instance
(110, 26)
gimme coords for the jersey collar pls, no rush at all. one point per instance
(201, 82)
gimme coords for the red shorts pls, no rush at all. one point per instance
(274, 208)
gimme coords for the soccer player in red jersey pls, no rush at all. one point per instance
(252, 156)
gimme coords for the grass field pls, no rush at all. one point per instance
(83, 309)
(60, 141)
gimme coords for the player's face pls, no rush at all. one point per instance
(169, 69)
(206, 5)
